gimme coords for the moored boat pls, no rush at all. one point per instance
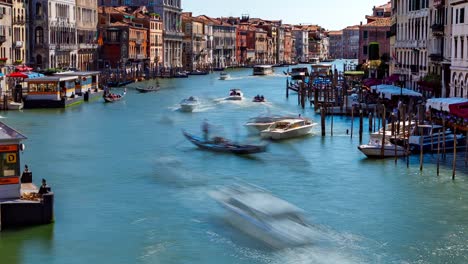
(188, 104)
(374, 149)
(288, 128)
(219, 144)
(431, 137)
(263, 216)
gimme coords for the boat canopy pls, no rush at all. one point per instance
(444, 103)
(390, 90)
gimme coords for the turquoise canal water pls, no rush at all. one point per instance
(130, 189)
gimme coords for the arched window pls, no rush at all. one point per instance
(39, 35)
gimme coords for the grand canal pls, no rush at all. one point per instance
(130, 189)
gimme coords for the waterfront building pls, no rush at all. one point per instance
(288, 45)
(223, 42)
(53, 29)
(336, 44)
(155, 41)
(124, 39)
(301, 44)
(261, 46)
(315, 41)
(410, 57)
(280, 43)
(459, 40)
(20, 13)
(195, 42)
(376, 30)
(86, 26)
(5, 43)
(245, 34)
(351, 39)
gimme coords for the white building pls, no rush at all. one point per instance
(459, 67)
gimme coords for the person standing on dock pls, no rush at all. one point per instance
(44, 188)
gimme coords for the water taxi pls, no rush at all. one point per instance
(235, 94)
(188, 104)
(262, 70)
(288, 128)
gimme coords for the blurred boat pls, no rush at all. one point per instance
(148, 89)
(259, 99)
(288, 128)
(112, 97)
(224, 76)
(188, 104)
(235, 94)
(259, 123)
(428, 136)
(264, 216)
(220, 144)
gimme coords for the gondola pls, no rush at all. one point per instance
(112, 97)
(219, 144)
(148, 89)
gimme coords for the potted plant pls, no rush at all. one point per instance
(18, 61)
(3, 61)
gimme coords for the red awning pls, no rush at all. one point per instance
(17, 75)
(460, 109)
(23, 68)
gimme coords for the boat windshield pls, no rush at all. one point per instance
(291, 216)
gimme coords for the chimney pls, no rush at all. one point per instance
(361, 23)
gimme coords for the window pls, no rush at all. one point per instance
(38, 9)
(364, 50)
(462, 15)
(456, 16)
(455, 48)
(462, 48)
(364, 33)
(39, 35)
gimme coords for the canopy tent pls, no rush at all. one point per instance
(460, 109)
(444, 103)
(23, 68)
(18, 74)
(390, 90)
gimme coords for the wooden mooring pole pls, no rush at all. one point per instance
(454, 152)
(322, 120)
(361, 124)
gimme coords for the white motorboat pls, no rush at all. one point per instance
(235, 94)
(15, 105)
(264, 216)
(187, 105)
(224, 76)
(259, 123)
(374, 149)
(288, 128)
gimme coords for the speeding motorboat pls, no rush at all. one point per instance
(188, 104)
(259, 123)
(235, 94)
(288, 128)
(264, 216)
(224, 76)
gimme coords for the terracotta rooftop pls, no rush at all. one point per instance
(335, 33)
(355, 27)
(380, 22)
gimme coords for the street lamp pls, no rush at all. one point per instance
(402, 82)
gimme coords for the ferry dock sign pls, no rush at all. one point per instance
(20, 203)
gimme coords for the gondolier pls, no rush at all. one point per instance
(205, 129)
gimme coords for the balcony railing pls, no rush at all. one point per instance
(439, 3)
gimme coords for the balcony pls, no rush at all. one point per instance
(436, 57)
(66, 47)
(87, 46)
(2, 39)
(19, 20)
(1, 16)
(437, 29)
(140, 56)
(414, 68)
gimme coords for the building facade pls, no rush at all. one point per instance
(351, 39)
(86, 26)
(459, 41)
(20, 13)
